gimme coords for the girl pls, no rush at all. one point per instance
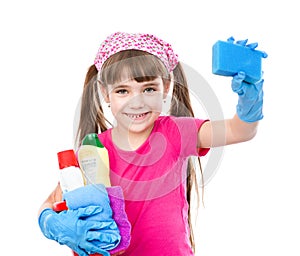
(150, 153)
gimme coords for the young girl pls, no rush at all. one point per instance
(149, 152)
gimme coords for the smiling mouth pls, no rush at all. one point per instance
(137, 116)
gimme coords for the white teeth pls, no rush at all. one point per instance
(135, 116)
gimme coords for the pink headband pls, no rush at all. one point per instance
(120, 41)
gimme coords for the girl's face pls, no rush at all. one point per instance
(136, 105)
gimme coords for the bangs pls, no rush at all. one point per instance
(132, 65)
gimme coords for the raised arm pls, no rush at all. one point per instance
(242, 127)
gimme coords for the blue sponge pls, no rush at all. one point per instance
(229, 58)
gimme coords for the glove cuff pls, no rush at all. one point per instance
(42, 220)
(250, 117)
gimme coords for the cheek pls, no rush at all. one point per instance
(118, 105)
(115, 108)
(155, 102)
(157, 98)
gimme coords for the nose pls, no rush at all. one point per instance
(136, 102)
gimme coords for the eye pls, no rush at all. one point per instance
(149, 90)
(121, 91)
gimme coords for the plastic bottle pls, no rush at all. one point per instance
(94, 161)
(70, 174)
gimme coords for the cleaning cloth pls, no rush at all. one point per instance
(116, 197)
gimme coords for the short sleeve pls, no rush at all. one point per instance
(188, 128)
(201, 151)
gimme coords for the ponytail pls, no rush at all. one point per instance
(181, 106)
(91, 113)
(181, 103)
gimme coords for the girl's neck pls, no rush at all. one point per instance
(127, 140)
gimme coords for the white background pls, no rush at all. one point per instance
(251, 204)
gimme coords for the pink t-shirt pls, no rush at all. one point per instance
(153, 179)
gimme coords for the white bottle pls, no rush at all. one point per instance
(70, 173)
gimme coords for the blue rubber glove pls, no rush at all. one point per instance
(69, 228)
(250, 102)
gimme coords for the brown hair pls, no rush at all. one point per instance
(140, 66)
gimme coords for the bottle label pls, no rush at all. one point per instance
(89, 166)
(94, 164)
(70, 179)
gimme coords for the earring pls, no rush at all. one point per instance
(164, 101)
(108, 105)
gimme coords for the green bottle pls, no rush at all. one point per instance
(94, 161)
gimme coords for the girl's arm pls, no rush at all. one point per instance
(225, 132)
(55, 196)
(242, 127)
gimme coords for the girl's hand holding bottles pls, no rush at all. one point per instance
(71, 229)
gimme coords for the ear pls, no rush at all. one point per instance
(167, 85)
(104, 93)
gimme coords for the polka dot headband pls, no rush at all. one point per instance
(120, 41)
